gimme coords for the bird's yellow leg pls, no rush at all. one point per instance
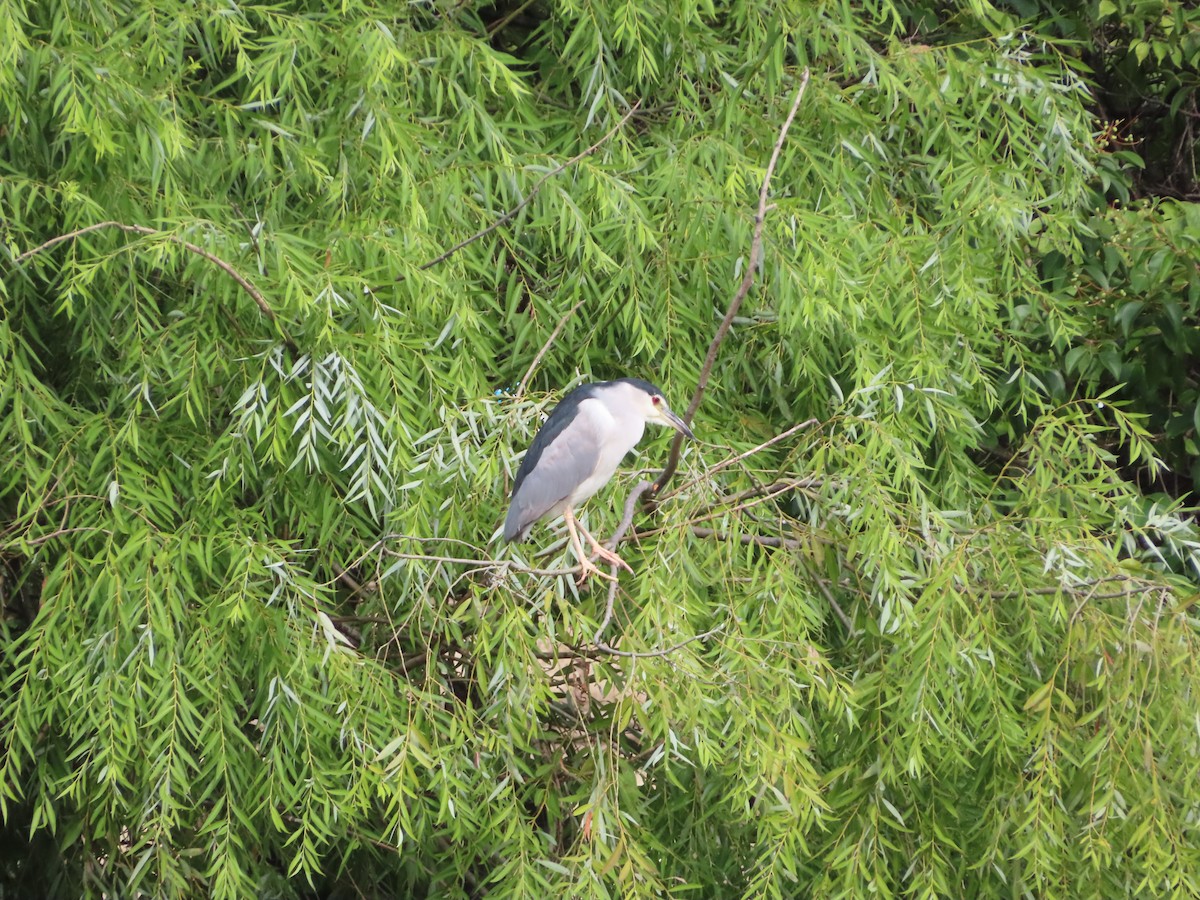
(586, 566)
(603, 552)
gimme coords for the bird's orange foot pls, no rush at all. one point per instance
(609, 557)
(587, 567)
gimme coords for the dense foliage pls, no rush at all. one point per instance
(1137, 278)
(259, 635)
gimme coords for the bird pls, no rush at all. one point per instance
(575, 453)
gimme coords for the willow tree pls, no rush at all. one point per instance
(286, 290)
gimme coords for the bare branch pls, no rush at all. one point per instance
(774, 488)
(627, 518)
(743, 289)
(665, 651)
(598, 640)
(752, 499)
(833, 604)
(37, 541)
(1132, 586)
(533, 192)
(358, 592)
(501, 564)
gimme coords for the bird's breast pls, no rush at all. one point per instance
(617, 437)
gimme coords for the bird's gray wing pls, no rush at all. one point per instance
(561, 461)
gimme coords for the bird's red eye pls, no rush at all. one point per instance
(656, 400)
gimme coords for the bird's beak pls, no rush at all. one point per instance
(678, 424)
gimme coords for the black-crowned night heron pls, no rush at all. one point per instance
(576, 452)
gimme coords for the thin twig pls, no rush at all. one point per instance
(361, 620)
(545, 347)
(603, 645)
(480, 564)
(725, 463)
(797, 484)
(356, 589)
(1132, 586)
(778, 489)
(665, 651)
(833, 604)
(501, 23)
(262, 263)
(397, 536)
(743, 289)
(502, 564)
(598, 640)
(442, 257)
(37, 541)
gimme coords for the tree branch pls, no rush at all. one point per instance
(627, 518)
(726, 463)
(743, 289)
(834, 605)
(221, 264)
(504, 565)
(761, 540)
(603, 646)
(545, 347)
(774, 489)
(665, 651)
(442, 257)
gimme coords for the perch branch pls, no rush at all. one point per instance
(504, 565)
(627, 517)
(743, 289)
(484, 232)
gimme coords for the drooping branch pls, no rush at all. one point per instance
(483, 232)
(221, 264)
(229, 270)
(742, 290)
